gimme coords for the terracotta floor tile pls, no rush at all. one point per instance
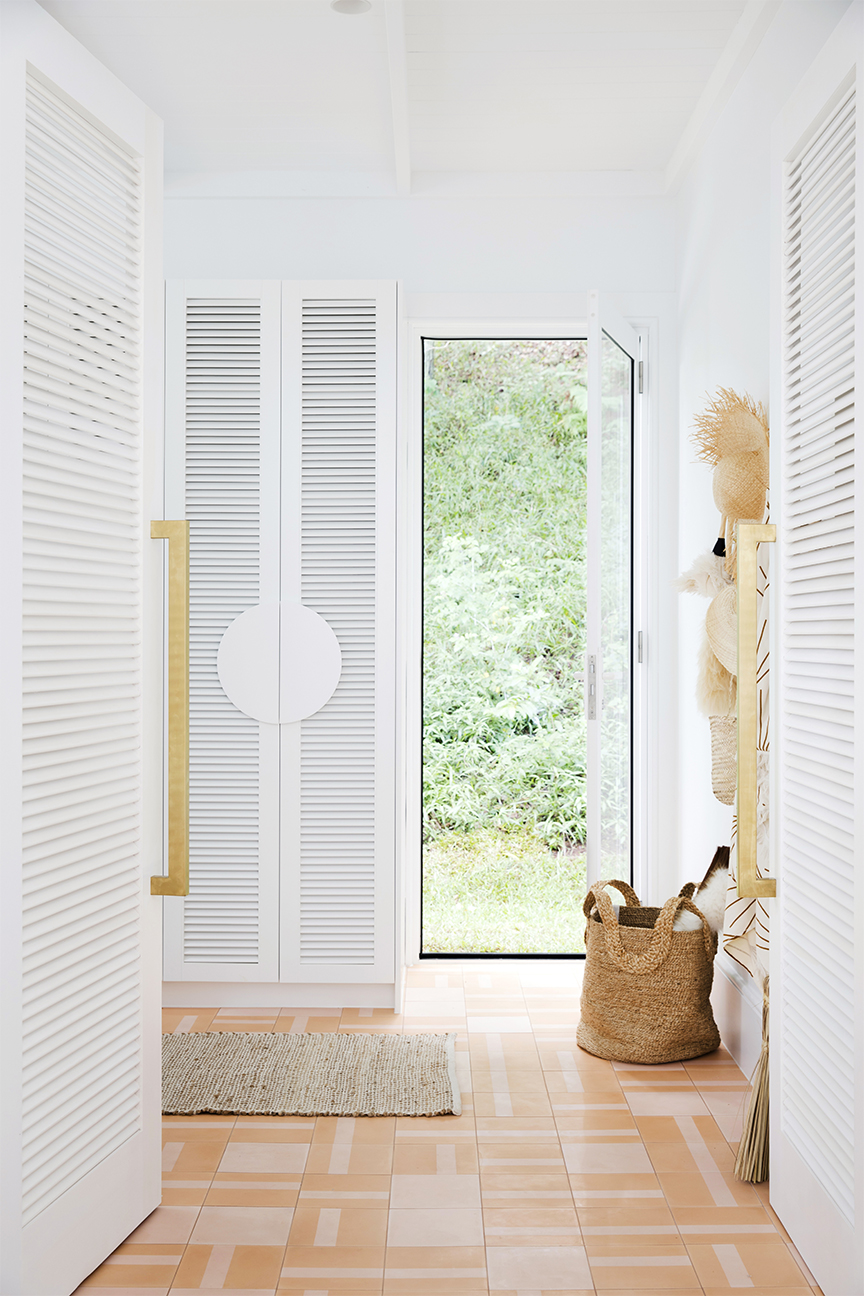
(445, 1158)
(507, 1080)
(525, 1192)
(350, 1159)
(316, 1021)
(549, 1268)
(679, 1129)
(91, 1285)
(166, 1224)
(245, 1019)
(727, 1265)
(516, 1129)
(588, 1081)
(137, 1266)
(594, 1123)
(197, 1129)
(706, 1190)
(690, 1158)
(705, 1225)
(358, 1131)
(602, 1157)
(518, 1227)
(635, 1190)
(354, 1192)
(242, 1225)
(427, 1269)
(761, 1291)
(516, 1050)
(436, 1227)
(177, 1021)
(181, 1189)
(422, 1129)
(269, 1158)
(682, 1103)
(191, 1159)
(511, 1104)
(417, 1192)
(329, 1226)
(273, 1129)
(262, 1189)
(230, 1266)
(518, 1158)
(634, 1227)
(370, 1019)
(334, 1269)
(658, 1269)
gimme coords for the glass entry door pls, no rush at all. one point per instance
(612, 350)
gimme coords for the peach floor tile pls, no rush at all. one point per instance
(358, 1269)
(436, 1158)
(410, 1192)
(330, 1226)
(740, 1263)
(273, 1129)
(166, 1224)
(356, 1192)
(706, 1189)
(227, 1265)
(658, 1269)
(520, 1227)
(261, 1189)
(525, 1192)
(137, 1265)
(424, 1269)
(690, 1158)
(550, 1268)
(243, 1225)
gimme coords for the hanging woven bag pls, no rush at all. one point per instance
(646, 991)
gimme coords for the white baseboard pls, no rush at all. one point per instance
(737, 1003)
(275, 994)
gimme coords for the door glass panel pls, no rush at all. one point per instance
(616, 595)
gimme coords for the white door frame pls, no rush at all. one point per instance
(409, 596)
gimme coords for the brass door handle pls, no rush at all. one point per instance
(750, 535)
(176, 881)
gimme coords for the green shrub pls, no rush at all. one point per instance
(504, 590)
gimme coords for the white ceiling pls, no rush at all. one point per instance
(270, 93)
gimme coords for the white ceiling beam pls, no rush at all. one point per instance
(397, 59)
(737, 53)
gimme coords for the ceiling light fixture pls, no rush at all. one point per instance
(351, 6)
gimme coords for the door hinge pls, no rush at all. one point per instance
(639, 656)
(592, 688)
(641, 376)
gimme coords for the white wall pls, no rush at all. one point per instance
(723, 245)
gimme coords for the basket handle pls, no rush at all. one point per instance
(661, 941)
(631, 899)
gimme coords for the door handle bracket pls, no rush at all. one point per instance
(176, 881)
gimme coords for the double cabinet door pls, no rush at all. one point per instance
(280, 451)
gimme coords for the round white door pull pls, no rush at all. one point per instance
(279, 662)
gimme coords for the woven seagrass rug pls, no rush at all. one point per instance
(333, 1074)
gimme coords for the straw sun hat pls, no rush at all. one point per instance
(732, 435)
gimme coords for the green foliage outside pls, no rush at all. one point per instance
(504, 618)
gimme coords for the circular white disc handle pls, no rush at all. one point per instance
(279, 662)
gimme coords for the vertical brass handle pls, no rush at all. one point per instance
(750, 535)
(176, 881)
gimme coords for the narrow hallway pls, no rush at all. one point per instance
(564, 1173)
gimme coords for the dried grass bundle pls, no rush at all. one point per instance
(751, 1164)
(730, 425)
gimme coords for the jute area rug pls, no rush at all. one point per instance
(334, 1074)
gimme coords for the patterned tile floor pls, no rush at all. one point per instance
(564, 1174)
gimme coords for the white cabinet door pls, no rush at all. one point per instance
(281, 452)
(80, 310)
(222, 456)
(817, 1076)
(338, 546)
(612, 354)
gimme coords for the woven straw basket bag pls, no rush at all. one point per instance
(645, 996)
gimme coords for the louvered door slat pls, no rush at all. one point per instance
(817, 648)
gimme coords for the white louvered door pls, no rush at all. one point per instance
(338, 545)
(222, 473)
(81, 319)
(817, 1104)
(280, 443)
